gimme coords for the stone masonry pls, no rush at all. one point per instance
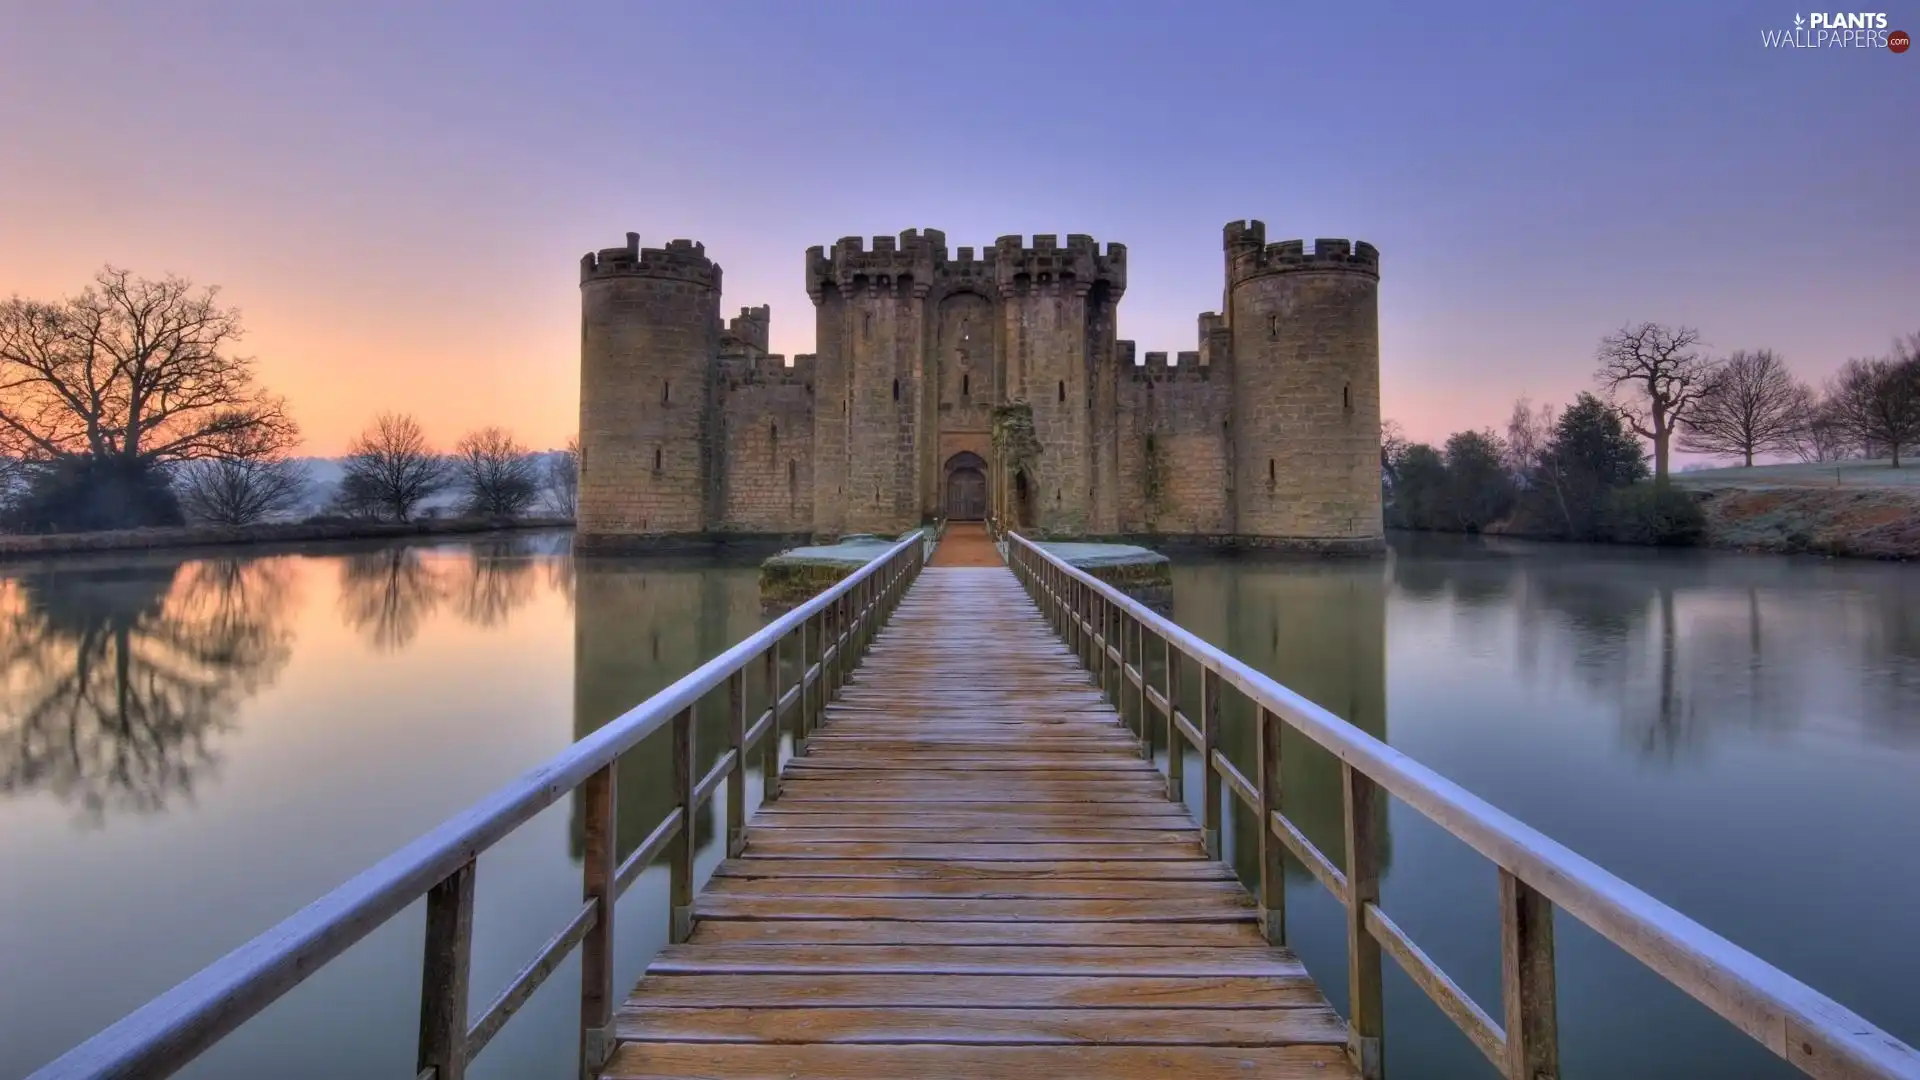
(1267, 435)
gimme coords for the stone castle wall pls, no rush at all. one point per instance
(1267, 434)
(1173, 461)
(766, 443)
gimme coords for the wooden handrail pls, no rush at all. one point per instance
(1810, 1030)
(167, 1033)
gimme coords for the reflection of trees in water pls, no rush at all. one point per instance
(498, 580)
(1683, 643)
(639, 625)
(114, 680)
(387, 594)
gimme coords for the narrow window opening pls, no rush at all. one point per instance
(665, 388)
(793, 474)
(965, 385)
(773, 432)
(896, 389)
(1270, 472)
(656, 459)
(1346, 397)
(1063, 397)
(1273, 326)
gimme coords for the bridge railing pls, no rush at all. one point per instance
(1116, 637)
(823, 637)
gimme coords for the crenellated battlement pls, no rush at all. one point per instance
(1160, 367)
(742, 369)
(750, 327)
(1080, 264)
(908, 261)
(680, 260)
(1250, 256)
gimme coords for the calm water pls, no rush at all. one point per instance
(190, 750)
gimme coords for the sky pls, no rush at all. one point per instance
(396, 196)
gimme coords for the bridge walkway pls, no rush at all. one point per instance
(972, 872)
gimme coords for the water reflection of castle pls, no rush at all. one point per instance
(639, 625)
(1318, 628)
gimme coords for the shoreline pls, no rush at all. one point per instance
(33, 546)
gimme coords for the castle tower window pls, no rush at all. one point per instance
(793, 474)
(1346, 397)
(896, 389)
(1270, 472)
(1273, 326)
(965, 383)
(656, 459)
(665, 387)
(773, 432)
(1063, 397)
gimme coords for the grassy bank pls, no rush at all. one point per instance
(216, 535)
(1853, 522)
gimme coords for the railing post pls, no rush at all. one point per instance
(1273, 878)
(737, 776)
(1210, 742)
(1176, 743)
(1140, 691)
(803, 700)
(598, 799)
(1527, 982)
(770, 742)
(680, 852)
(1365, 829)
(443, 976)
(1104, 638)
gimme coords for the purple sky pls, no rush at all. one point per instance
(397, 200)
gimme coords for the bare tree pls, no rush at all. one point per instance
(131, 369)
(562, 491)
(391, 468)
(1818, 433)
(495, 473)
(1529, 430)
(239, 491)
(1664, 371)
(1393, 443)
(1750, 404)
(1877, 401)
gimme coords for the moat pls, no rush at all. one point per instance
(193, 747)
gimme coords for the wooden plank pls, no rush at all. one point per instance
(958, 909)
(1123, 817)
(748, 1061)
(1096, 889)
(975, 869)
(976, 834)
(760, 844)
(967, 991)
(1100, 1027)
(1171, 962)
(961, 935)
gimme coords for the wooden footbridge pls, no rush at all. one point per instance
(966, 865)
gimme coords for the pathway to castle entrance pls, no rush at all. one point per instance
(966, 543)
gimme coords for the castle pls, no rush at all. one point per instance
(982, 383)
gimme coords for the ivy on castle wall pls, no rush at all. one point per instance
(1014, 441)
(1155, 475)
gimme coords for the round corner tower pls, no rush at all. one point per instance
(649, 335)
(1306, 391)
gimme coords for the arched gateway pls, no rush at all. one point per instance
(966, 487)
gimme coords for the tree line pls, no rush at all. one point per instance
(126, 406)
(1578, 474)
